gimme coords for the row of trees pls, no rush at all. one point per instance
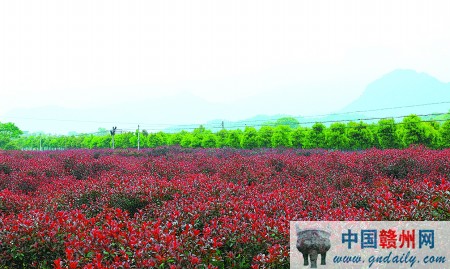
(386, 133)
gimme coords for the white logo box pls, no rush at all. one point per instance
(374, 244)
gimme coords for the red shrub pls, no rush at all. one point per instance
(221, 208)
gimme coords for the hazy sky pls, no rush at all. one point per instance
(85, 53)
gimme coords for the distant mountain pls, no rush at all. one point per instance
(402, 88)
(152, 114)
(184, 111)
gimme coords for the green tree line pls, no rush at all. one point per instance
(386, 133)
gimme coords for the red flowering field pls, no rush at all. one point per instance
(200, 208)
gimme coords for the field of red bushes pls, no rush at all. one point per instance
(200, 208)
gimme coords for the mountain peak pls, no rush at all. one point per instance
(403, 72)
(402, 87)
(406, 75)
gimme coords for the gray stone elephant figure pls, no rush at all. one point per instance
(311, 243)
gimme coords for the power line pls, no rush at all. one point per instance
(378, 109)
(329, 121)
(357, 111)
(335, 114)
(312, 122)
(359, 119)
(219, 127)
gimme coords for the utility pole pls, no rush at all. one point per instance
(113, 132)
(223, 125)
(138, 137)
(40, 143)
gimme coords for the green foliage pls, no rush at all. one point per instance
(249, 138)
(264, 137)
(133, 141)
(234, 139)
(186, 141)
(222, 138)
(156, 140)
(200, 130)
(433, 138)
(198, 135)
(8, 132)
(196, 141)
(102, 142)
(387, 134)
(316, 136)
(415, 131)
(209, 141)
(287, 121)
(359, 135)
(281, 137)
(298, 137)
(9, 144)
(126, 142)
(175, 139)
(445, 134)
(352, 136)
(373, 128)
(336, 137)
